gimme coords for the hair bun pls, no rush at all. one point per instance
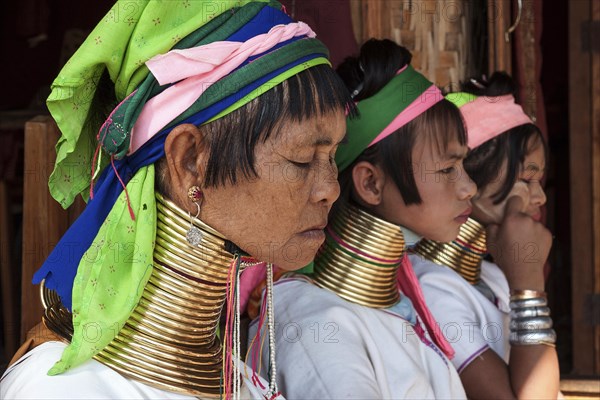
(499, 84)
(377, 64)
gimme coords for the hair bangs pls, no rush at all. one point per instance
(233, 138)
(441, 125)
(437, 127)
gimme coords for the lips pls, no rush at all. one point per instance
(318, 227)
(315, 232)
(462, 218)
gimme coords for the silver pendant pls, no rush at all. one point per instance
(194, 236)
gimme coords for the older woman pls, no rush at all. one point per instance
(215, 156)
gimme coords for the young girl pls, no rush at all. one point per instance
(496, 315)
(401, 177)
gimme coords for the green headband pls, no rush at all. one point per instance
(377, 113)
(459, 99)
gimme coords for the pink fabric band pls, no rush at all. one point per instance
(195, 70)
(409, 286)
(425, 101)
(251, 277)
(487, 117)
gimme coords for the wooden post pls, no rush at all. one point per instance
(44, 220)
(594, 36)
(499, 21)
(584, 138)
(7, 275)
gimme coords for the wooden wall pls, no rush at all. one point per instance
(437, 32)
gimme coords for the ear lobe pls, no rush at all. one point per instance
(186, 153)
(368, 182)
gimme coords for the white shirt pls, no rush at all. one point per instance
(28, 379)
(329, 348)
(470, 322)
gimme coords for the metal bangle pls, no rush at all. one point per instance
(545, 336)
(526, 294)
(525, 303)
(530, 312)
(530, 324)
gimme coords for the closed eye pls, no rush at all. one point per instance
(303, 165)
(446, 171)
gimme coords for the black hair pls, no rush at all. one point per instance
(233, 138)
(485, 161)
(315, 91)
(366, 75)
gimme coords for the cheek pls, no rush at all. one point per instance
(281, 207)
(436, 195)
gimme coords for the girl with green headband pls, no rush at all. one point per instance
(495, 314)
(204, 134)
(358, 328)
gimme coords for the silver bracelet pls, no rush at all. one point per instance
(530, 324)
(526, 303)
(528, 338)
(530, 312)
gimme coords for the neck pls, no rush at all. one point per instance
(464, 254)
(170, 340)
(360, 258)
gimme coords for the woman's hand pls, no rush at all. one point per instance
(520, 246)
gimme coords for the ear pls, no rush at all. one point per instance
(186, 153)
(368, 182)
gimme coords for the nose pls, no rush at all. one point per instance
(326, 188)
(466, 187)
(536, 194)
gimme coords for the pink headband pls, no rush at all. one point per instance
(426, 100)
(195, 70)
(488, 117)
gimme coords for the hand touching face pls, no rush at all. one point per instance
(527, 185)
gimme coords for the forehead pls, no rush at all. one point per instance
(536, 154)
(428, 149)
(320, 130)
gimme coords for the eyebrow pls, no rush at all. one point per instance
(322, 141)
(326, 141)
(455, 156)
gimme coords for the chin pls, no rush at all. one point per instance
(298, 254)
(296, 260)
(447, 236)
(294, 266)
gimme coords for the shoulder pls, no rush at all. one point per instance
(302, 306)
(295, 297)
(424, 267)
(89, 380)
(438, 278)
